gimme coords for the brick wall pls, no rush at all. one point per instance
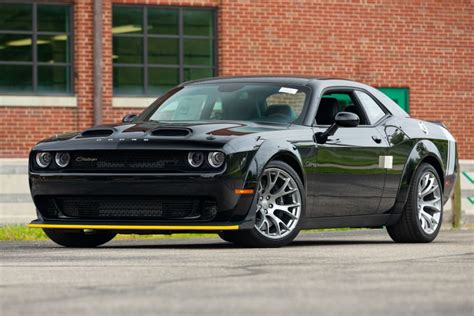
(427, 46)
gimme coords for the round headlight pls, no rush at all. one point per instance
(62, 159)
(216, 159)
(43, 159)
(195, 159)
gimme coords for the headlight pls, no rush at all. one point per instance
(62, 159)
(195, 159)
(43, 159)
(216, 159)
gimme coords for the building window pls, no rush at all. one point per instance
(155, 48)
(399, 95)
(35, 49)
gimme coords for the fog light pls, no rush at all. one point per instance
(195, 159)
(62, 159)
(216, 159)
(43, 159)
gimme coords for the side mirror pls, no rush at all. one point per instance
(342, 119)
(129, 118)
(347, 119)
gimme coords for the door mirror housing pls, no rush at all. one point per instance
(342, 119)
(347, 119)
(129, 118)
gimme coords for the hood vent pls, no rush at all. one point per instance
(97, 133)
(171, 132)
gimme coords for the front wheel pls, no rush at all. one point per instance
(423, 213)
(280, 209)
(79, 238)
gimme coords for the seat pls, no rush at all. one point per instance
(280, 113)
(328, 108)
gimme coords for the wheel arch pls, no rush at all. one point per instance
(424, 151)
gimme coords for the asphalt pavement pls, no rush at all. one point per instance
(345, 273)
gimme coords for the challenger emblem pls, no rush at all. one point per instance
(85, 159)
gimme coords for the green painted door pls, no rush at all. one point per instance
(399, 95)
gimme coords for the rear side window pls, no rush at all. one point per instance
(372, 109)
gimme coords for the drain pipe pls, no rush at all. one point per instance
(97, 62)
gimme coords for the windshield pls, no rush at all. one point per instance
(232, 101)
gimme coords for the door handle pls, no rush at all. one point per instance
(377, 139)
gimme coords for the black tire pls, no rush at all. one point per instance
(227, 236)
(408, 228)
(253, 238)
(79, 238)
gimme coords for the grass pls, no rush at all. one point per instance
(22, 233)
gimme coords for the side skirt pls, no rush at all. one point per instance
(362, 221)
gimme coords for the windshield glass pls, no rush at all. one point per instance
(233, 101)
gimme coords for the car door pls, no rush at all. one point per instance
(348, 179)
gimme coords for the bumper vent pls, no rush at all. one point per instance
(118, 207)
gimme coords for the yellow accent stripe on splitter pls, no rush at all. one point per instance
(134, 227)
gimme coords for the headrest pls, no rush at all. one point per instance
(328, 108)
(281, 109)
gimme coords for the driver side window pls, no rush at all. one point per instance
(338, 101)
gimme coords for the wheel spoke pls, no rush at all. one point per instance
(429, 202)
(432, 204)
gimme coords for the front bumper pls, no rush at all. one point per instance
(232, 209)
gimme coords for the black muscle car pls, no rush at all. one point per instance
(254, 159)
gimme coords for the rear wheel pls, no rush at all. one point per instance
(79, 238)
(280, 209)
(423, 213)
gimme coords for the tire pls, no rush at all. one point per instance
(227, 236)
(412, 226)
(79, 238)
(258, 238)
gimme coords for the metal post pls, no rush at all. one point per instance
(97, 62)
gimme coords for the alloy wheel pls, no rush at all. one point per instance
(279, 204)
(429, 202)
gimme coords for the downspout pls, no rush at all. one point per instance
(97, 62)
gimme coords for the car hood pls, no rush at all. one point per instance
(168, 134)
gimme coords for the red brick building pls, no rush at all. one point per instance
(420, 52)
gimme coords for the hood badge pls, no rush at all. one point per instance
(121, 139)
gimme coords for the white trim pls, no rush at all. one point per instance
(33, 100)
(131, 102)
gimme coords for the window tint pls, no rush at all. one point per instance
(165, 45)
(334, 102)
(373, 110)
(37, 58)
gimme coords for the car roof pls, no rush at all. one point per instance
(299, 80)
(320, 82)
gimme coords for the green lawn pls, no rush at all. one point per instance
(21, 232)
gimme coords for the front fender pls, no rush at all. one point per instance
(422, 150)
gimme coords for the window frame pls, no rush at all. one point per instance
(365, 109)
(180, 37)
(34, 63)
(351, 90)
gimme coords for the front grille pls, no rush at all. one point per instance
(136, 161)
(119, 207)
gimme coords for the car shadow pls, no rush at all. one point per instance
(226, 245)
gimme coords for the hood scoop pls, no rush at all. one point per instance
(97, 133)
(171, 132)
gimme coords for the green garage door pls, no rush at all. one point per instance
(399, 95)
